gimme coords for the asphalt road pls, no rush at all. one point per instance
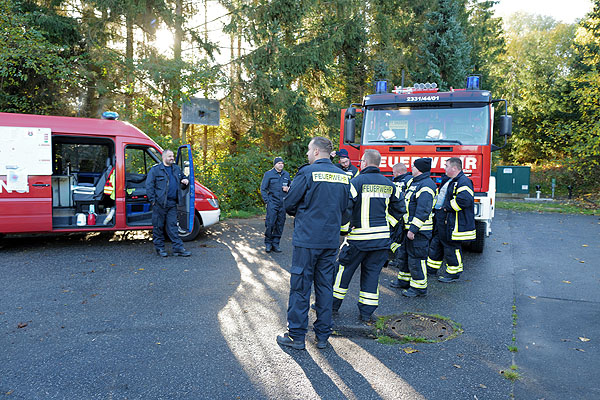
(94, 317)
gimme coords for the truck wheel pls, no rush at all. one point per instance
(194, 233)
(476, 246)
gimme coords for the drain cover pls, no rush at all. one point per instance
(420, 326)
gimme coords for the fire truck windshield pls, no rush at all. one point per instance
(460, 125)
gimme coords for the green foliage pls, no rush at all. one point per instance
(446, 57)
(236, 178)
(38, 58)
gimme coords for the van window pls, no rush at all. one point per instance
(80, 158)
(139, 160)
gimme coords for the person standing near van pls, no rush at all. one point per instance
(274, 185)
(163, 188)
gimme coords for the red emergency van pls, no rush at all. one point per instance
(64, 174)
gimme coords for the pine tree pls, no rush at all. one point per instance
(445, 58)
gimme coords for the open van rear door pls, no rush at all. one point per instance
(25, 179)
(185, 211)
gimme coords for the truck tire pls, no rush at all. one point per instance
(476, 246)
(195, 231)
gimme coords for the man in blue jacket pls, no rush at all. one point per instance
(454, 222)
(345, 164)
(164, 193)
(275, 184)
(317, 198)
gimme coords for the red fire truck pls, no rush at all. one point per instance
(63, 174)
(420, 121)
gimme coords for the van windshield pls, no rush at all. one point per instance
(466, 125)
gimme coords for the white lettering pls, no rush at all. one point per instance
(470, 163)
(4, 188)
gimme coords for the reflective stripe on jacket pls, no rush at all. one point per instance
(460, 208)
(420, 198)
(372, 197)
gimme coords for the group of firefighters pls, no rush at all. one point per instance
(409, 217)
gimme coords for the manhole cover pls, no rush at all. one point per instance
(421, 326)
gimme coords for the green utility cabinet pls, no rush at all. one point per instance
(513, 179)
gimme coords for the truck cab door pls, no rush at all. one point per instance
(185, 211)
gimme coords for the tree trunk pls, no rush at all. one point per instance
(129, 63)
(175, 83)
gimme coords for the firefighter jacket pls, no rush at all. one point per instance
(372, 197)
(157, 184)
(420, 198)
(459, 206)
(351, 171)
(318, 198)
(271, 187)
(403, 181)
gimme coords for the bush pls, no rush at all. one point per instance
(236, 179)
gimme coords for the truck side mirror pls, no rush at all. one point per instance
(349, 125)
(505, 125)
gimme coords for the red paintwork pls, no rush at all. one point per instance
(32, 212)
(480, 176)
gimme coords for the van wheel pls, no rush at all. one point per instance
(476, 246)
(188, 237)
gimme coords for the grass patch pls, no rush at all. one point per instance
(512, 375)
(242, 213)
(513, 349)
(554, 206)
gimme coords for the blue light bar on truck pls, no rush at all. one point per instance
(381, 87)
(473, 82)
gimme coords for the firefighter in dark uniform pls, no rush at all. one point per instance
(372, 197)
(454, 222)
(402, 179)
(275, 184)
(345, 164)
(420, 198)
(317, 198)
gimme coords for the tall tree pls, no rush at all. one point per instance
(38, 58)
(535, 68)
(486, 36)
(446, 57)
(584, 130)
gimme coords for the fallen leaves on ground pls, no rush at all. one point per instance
(566, 281)
(584, 339)
(410, 350)
(456, 366)
(481, 385)
(22, 325)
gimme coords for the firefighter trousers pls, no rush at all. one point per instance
(311, 266)
(412, 261)
(442, 249)
(445, 250)
(274, 222)
(371, 262)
